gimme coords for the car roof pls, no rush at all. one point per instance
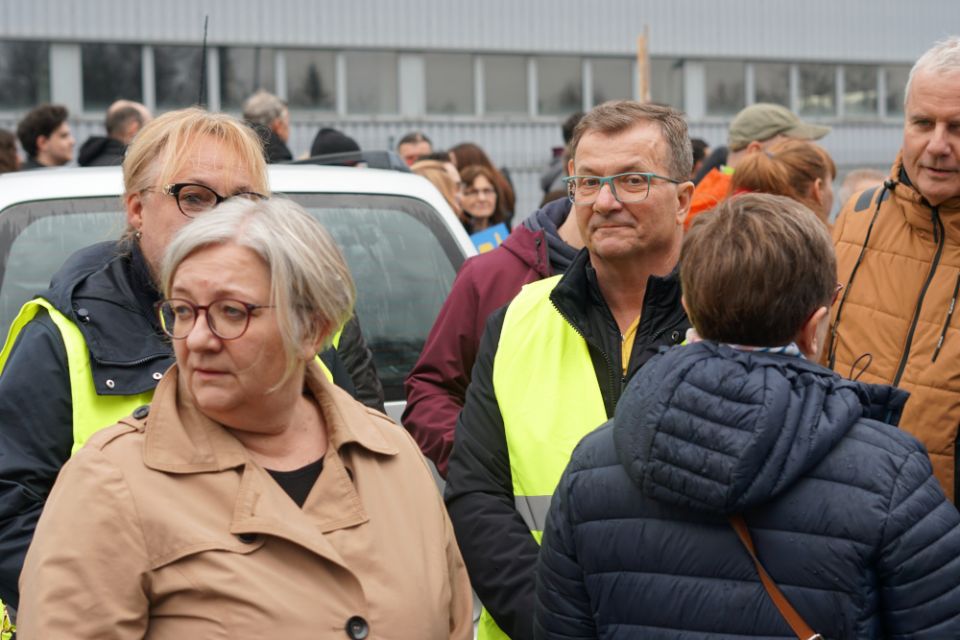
(91, 182)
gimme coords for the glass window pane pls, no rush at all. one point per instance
(24, 74)
(178, 71)
(449, 80)
(818, 89)
(896, 85)
(110, 72)
(666, 81)
(399, 256)
(859, 90)
(771, 83)
(505, 84)
(560, 85)
(612, 79)
(243, 71)
(38, 236)
(371, 82)
(311, 81)
(725, 87)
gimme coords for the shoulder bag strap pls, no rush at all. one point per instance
(799, 626)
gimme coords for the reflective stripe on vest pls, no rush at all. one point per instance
(91, 412)
(549, 398)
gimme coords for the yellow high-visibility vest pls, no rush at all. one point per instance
(91, 412)
(549, 398)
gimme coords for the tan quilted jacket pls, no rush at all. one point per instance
(895, 322)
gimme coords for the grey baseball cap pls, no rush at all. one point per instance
(763, 120)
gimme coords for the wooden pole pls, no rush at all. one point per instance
(643, 64)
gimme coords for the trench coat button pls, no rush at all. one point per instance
(357, 628)
(110, 384)
(141, 412)
(83, 314)
(247, 538)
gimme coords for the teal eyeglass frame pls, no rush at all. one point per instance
(609, 180)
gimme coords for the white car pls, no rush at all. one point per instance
(401, 240)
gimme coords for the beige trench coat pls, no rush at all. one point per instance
(164, 528)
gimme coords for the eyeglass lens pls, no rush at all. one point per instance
(227, 319)
(480, 192)
(630, 187)
(194, 198)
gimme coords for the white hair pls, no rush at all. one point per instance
(310, 283)
(263, 108)
(942, 57)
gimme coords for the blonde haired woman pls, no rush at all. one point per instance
(88, 351)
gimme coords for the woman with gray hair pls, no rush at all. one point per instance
(251, 493)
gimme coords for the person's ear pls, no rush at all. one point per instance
(313, 339)
(754, 146)
(570, 167)
(810, 337)
(816, 190)
(133, 202)
(684, 200)
(42, 143)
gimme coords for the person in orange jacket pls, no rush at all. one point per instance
(754, 128)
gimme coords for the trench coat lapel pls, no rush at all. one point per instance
(180, 439)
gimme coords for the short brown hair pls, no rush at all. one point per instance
(469, 175)
(755, 268)
(619, 115)
(788, 168)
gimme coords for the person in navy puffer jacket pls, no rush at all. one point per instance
(842, 506)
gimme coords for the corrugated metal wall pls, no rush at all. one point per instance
(867, 30)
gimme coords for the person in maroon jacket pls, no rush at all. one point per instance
(544, 245)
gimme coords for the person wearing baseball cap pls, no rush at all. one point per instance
(755, 128)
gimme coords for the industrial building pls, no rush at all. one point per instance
(501, 73)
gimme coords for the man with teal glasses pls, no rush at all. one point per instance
(553, 363)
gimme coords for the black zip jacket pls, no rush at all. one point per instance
(499, 552)
(106, 290)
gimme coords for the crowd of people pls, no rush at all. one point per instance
(669, 405)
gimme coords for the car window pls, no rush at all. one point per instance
(403, 260)
(402, 257)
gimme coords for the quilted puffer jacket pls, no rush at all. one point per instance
(843, 509)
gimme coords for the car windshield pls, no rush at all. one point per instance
(402, 257)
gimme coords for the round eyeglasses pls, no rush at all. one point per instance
(227, 319)
(194, 199)
(626, 188)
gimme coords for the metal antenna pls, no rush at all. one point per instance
(203, 64)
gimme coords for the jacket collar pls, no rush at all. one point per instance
(180, 439)
(789, 414)
(579, 289)
(529, 248)
(918, 212)
(549, 219)
(107, 291)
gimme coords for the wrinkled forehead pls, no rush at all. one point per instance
(930, 86)
(639, 147)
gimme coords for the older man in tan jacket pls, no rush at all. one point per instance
(898, 253)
